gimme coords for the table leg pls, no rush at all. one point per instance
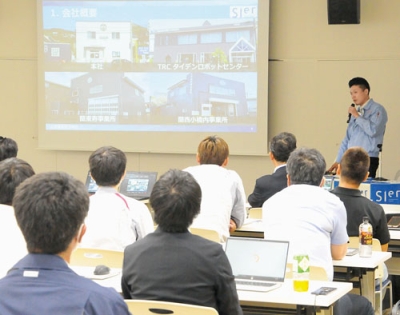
(368, 286)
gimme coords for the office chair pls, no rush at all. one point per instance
(147, 307)
(255, 213)
(211, 235)
(92, 257)
(316, 273)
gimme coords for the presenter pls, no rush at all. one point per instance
(366, 125)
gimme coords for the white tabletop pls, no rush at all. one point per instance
(282, 295)
(356, 261)
(394, 234)
(391, 209)
(255, 225)
(286, 295)
(113, 280)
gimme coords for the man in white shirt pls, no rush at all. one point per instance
(114, 220)
(13, 171)
(313, 220)
(223, 197)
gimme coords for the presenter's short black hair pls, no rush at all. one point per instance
(361, 82)
(175, 199)
(8, 148)
(107, 166)
(13, 171)
(50, 209)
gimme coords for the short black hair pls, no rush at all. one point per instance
(50, 208)
(361, 82)
(306, 166)
(13, 171)
(354, 165)
(107, 166)
(282, 145)
(175, 199)
(8, 148)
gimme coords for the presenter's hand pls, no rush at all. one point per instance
(232, 226)
(353, 112)
(333, 168)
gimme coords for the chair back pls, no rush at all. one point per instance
(354, 243)
(211, 235)
(91, 257)
(255, 213)
(146, 307)
(316, 273)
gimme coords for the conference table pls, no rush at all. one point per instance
(254, 228)
(283, 298)
(367, 267)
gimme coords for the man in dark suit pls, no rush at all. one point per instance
(266, 186)
(174, 265)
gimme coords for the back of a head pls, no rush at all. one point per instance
(50, 208)
(13, 171)
(306, 166)
(107, 166)
(361, 82)
(354, 165)
(8, 148)
(213, 150)
(282, 145)
(175, 199)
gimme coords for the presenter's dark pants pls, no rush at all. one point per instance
(373, 166)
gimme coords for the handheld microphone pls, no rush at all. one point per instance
(348, 119)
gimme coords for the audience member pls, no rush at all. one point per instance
(352, 171)
(223, 198)
(8, 148)
(114, 220)
(50, 209)
(266, 186)
(312, 219)
(174, 265)
(13, 171)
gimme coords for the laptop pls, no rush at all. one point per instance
(257, 264)
(90, 184)
(138, 185)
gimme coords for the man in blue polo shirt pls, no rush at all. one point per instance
(50, 209)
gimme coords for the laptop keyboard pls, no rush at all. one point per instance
(255, 283)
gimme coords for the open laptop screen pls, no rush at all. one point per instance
(257, 259)
(138, 185)
(90, 184)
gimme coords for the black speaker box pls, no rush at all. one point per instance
(343, 11)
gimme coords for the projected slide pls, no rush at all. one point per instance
(150, 66)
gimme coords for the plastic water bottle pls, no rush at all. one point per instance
(365, 238)
(301, 272)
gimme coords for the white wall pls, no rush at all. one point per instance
(310, 65)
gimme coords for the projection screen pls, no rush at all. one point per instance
(153, 76)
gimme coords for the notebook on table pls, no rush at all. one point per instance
(257, 264)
